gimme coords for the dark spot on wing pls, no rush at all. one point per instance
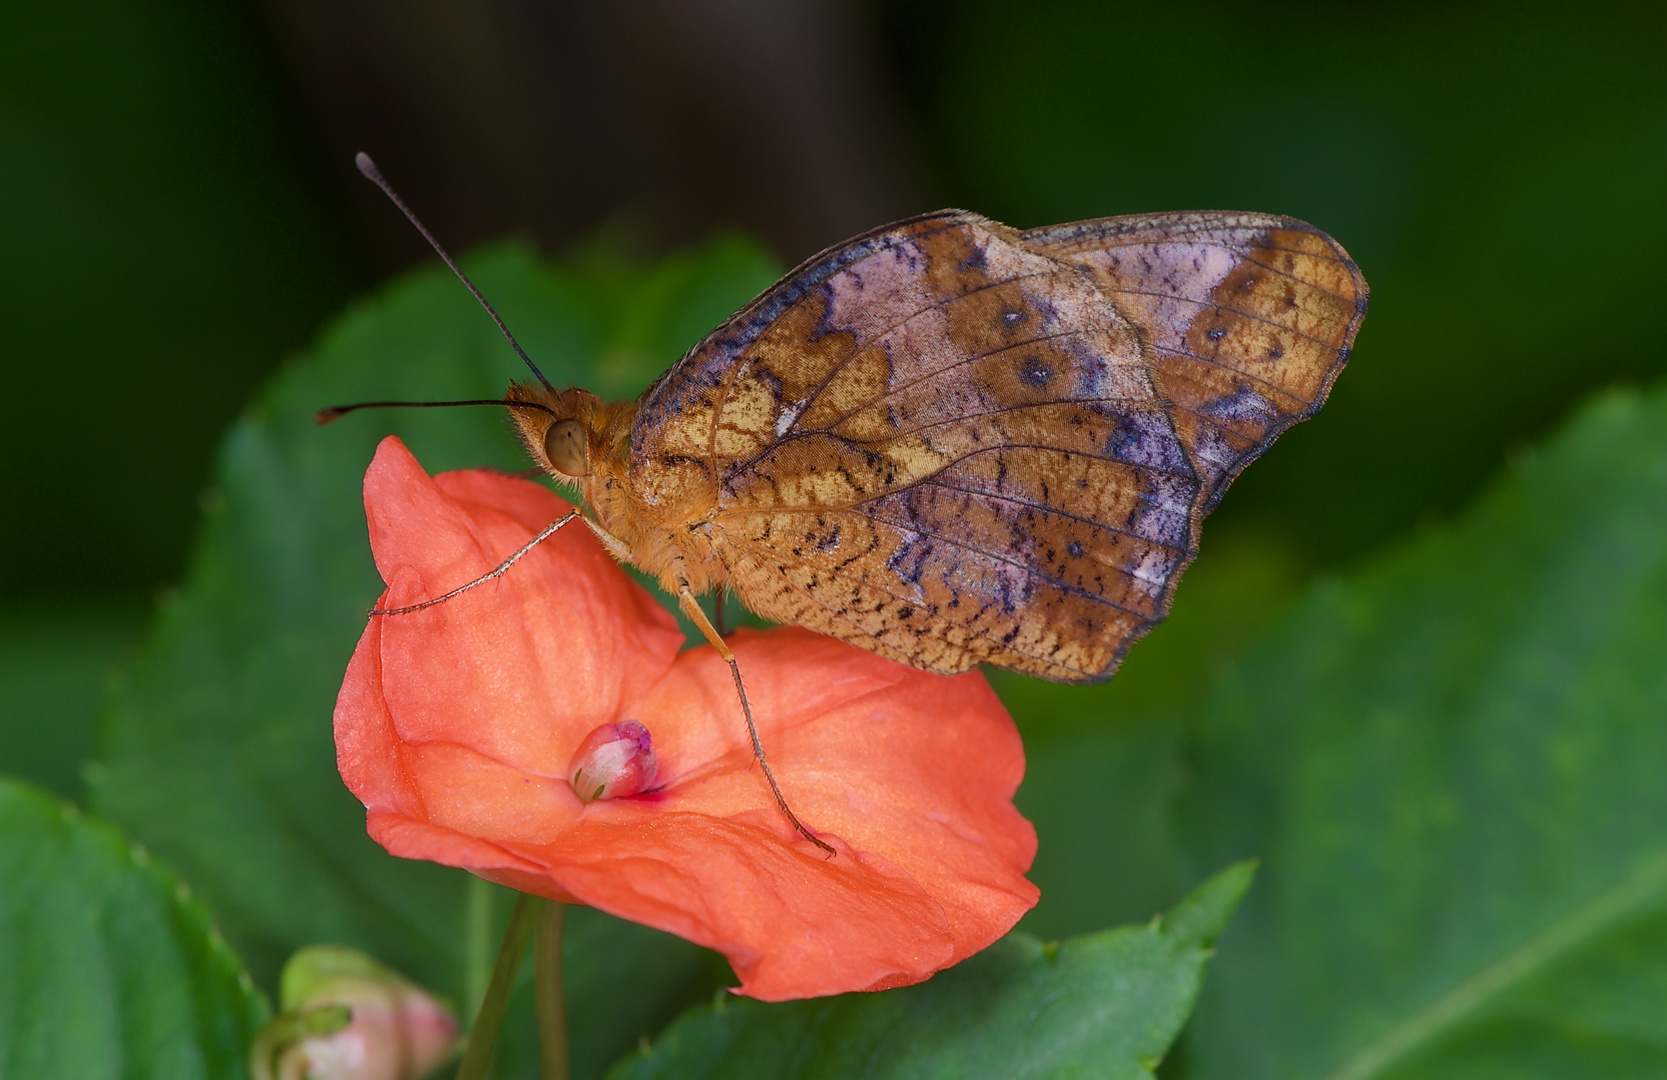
(1119, 442)
(1035, 372)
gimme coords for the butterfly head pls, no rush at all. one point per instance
(561, 433)
(582, 440)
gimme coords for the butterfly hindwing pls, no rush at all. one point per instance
(1249, 319)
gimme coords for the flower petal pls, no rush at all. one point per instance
(792, 922)
(369, 753)
(912, 770)
(455, 724)
(539, 656)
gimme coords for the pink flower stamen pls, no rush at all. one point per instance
(613, 761)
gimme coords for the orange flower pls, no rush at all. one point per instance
(456, 726)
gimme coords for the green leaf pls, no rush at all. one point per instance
(219, 753)
(110, 967)
(1455, 767)
(1107, 1005)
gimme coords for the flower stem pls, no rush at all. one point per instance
(547, 984)
(484, 1032)
(477, 942)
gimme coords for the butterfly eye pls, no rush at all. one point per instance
(564, 445)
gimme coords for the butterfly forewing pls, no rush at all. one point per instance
(953, 443)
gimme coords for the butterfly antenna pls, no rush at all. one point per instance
(336, 412)
(374, 175)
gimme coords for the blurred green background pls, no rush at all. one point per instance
(180, 214)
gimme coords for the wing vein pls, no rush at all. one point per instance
(865, 632)
(810, 399)
(1070, 590)
(892, 391)
(759, 303)
(1275, 387)
(745, 466)
(1264, 320)
(935, 482)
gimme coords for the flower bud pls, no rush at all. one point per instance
(346, 1017)
(614, 760)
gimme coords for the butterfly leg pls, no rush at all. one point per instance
(719, 595)
(691, 607)
(490, 575)
(616, 547)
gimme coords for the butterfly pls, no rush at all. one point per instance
(956, 443)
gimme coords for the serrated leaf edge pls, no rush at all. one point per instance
(136, 856)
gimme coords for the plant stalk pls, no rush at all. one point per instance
(484, 1031)
(549, 992)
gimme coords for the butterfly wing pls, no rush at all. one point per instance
(1248, 319)
(946, 442)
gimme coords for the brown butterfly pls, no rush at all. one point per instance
(955, 443)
